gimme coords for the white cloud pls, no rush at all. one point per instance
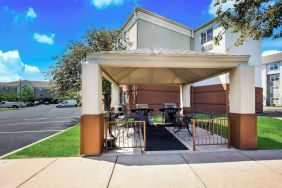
(31, 69)
(42, 38)
(11, 66)
(270, 52)
(225, 6)
(105, 3)
(30, 14)
(27, 16)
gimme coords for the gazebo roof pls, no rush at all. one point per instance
(162, 52)
(163, 66)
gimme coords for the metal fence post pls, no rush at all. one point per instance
(194, 134)
(145, 135)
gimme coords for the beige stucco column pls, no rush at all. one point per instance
(185, 98)
(242, 117)
(92, 120)
(115, 95)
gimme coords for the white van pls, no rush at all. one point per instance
(6, 104)
(67, 103)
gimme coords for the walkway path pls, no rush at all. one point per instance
(195, 169)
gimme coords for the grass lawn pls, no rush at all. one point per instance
(2, 109)
(66, 144)
(269, 133)
(158, 119)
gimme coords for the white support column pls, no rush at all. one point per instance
(92, 119)
(242, 90)
(242, 117)
(185, 98)
(91, 89)
(115, 95)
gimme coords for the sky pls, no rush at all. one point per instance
(32, 32)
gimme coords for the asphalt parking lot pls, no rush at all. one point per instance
(22, 127)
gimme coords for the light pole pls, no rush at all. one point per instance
(20, 90)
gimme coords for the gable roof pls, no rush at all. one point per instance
(205, 24)
(138, 9)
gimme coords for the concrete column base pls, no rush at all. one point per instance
(186, 110)
(91, 134)
(243, 130)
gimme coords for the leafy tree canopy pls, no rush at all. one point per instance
(27, 94)
(11, 97)
(255, 19)
(65, 75)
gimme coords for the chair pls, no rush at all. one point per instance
(183, 121)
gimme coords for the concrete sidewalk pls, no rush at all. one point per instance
(195, 169)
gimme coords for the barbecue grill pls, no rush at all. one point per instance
(169, 111)
(141, 113)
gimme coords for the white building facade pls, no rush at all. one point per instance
(145, 29)
(271, 79)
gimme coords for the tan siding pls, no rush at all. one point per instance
(153, 36)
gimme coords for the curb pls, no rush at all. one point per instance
(12, 152)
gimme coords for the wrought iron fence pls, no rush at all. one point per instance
(210, 129)
(125, 134)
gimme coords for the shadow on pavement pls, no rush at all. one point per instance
(192, 158)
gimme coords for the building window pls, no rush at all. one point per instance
(209, 34)
(274, 77)
(274, 101)
(273, 89)
(203, 38)
(274, 66)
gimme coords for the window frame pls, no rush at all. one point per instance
(272, 88)
(203, 39)
(205, 34)
(274, 100)
(274, 66)
(209, 39)
(276, 77)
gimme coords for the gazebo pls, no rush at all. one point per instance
(168, 67)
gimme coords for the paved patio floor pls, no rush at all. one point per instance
(195, 169)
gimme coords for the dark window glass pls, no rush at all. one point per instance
(203, 38)
(210, 34)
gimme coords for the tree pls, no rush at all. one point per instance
(255, 19)
(70, 95)
(65, 75)
(27, 94)
(11, 97)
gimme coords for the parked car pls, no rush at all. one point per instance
(46, 102)
(6, 104)
(36, 103)
(67, 103)
(29, 103)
